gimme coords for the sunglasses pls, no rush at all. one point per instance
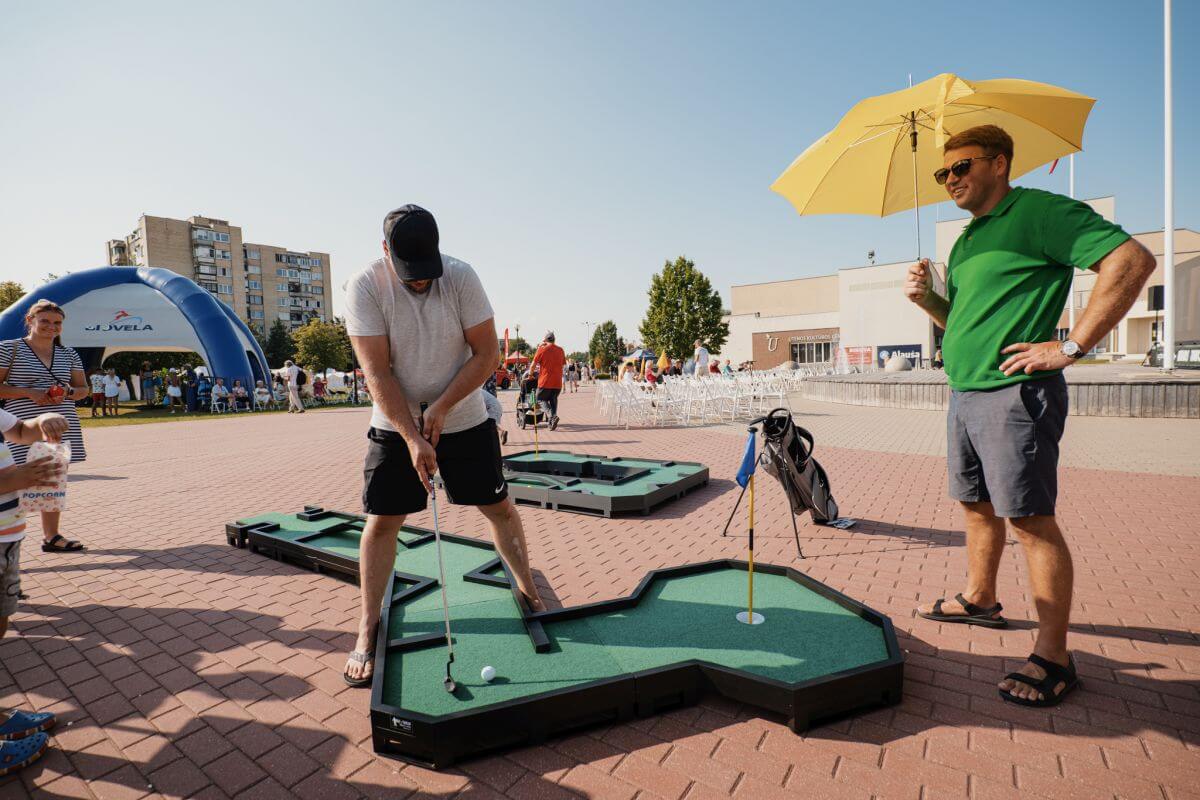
(959, 168)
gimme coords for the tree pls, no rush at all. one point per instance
(606, 347)
(280, 346)
(10, 292)
(322, 345)
(518, 346)
(684, 307)
(577, 356)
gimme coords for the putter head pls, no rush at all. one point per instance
(450, 685)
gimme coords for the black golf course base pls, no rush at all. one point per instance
(819, 654)
(599, 485)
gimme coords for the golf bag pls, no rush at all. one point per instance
(787, 457)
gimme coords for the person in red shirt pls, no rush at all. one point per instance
(548, 363)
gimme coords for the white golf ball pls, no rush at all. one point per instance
(488, 673)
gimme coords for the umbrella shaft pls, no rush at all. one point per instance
(916, 191)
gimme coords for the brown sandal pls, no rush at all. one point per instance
(974, 616)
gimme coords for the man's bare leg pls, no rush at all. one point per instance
(985, 546)
(1052, 577)
(377, 558)
(509, 537)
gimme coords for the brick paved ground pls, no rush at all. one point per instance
(181, 667)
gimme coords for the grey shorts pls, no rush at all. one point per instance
(10, 577)
(1002, 446)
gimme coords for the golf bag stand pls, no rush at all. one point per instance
(788, 457)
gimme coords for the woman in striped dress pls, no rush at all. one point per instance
(38, 374)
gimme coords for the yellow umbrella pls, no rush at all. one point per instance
(663, 362)
(881, 157)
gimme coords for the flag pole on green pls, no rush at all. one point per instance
(745, 479)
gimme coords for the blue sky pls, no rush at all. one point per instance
(566, 148)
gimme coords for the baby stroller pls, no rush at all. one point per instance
(527, 402)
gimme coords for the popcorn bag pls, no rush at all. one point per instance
(52, 497)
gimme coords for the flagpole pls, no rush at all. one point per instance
(749, 617)
(1168, 332)
(750, 571)
(1071, 293)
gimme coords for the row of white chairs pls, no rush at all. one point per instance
(687, 400)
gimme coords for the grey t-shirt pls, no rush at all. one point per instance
(426, 333)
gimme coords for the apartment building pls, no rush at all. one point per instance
(260, 282)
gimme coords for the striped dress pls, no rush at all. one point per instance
(30, 372)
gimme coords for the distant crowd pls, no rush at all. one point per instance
(188, 389)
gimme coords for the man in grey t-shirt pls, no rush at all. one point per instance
(423, 330)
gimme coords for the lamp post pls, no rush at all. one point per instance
(1168, 336)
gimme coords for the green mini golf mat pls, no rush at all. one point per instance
(604, 485)
(671, 641)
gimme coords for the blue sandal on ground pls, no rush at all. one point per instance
(24, 723)
(15, 755)
(1055, 674)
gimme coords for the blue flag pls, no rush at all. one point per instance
(749, 462)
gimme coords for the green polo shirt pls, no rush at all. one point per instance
(1009, 277)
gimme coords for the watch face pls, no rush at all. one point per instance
(1070, 348)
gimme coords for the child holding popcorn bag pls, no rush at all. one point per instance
(43, 478)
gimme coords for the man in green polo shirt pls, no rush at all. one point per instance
(1007, 282)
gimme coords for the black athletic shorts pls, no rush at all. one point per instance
(468, 461)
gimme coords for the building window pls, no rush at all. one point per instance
(212, 287)
(222, 237)
(253, 284)
(251, 254)
(206, 269)
(254, 269)
(256, 313)
(202, 235)
(283, 315)
(283, 302)
(223, 289)
(223, 272)
(222, 254)
(812, 352)
(254, 299)
(318, 275)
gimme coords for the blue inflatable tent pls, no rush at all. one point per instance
(114, 309)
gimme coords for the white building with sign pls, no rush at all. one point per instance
(862, 312)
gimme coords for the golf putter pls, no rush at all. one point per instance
(448, 682)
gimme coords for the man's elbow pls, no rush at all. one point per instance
(1147, 263)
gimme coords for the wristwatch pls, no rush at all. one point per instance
(1070, 349)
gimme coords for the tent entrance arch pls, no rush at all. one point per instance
(118, 309)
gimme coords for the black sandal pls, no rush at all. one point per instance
(1055, 674)
(71, 545)
(359, 657)
(974, 616)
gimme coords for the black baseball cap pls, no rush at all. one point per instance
(412, 237)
